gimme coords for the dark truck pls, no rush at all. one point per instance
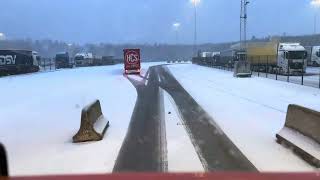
(102, 61)
(63, 60)
(18, 62)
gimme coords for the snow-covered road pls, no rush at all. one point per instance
(250, 111)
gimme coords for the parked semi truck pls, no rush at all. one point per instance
(285, 58)
(229, 57)
(209, 54)
(83, 59)
(313, 55)
(18, 61)
(208, 58)
(63, 60)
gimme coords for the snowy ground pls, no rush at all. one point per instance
(250, 111)
(40, 113)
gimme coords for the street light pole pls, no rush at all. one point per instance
(177, 39)
(176, 27)
(315, 24)
(195, 49)
(315, 4)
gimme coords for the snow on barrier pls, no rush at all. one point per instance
(242, 69)
(93, 124)
(302, 133)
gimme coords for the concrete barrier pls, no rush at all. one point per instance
(302, 133)
(242, 69)
(93, 124)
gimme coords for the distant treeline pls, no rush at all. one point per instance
(150, 52)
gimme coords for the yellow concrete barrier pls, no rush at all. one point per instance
(93, 124)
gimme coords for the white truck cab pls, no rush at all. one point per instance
(315, 56)
(84, 59)
(292, 58)
(36, 58)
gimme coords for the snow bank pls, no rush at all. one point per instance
(250, 111)
(41, 112)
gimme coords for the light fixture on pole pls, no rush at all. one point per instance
(195, 4)
(2, 36)
(315, 3)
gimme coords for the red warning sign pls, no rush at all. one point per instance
(132, 62)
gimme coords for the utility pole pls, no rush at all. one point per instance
(177, 38)
(195, 48)
(243, 25)
(242, 66)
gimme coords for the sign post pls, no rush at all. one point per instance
(132, 61)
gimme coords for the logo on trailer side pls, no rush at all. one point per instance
(7, 60)
(132, 57)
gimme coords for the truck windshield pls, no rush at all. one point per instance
(79, 58)
(61, 56)
(296, 55)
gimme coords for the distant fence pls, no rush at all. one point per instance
(264, 66)
(47, 64)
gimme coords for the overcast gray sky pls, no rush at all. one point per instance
(150, 21)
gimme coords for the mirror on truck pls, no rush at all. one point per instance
(305, 55)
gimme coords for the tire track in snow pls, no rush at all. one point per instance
(212, 145)
(144, 148)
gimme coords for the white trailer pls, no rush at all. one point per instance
(209, 54)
